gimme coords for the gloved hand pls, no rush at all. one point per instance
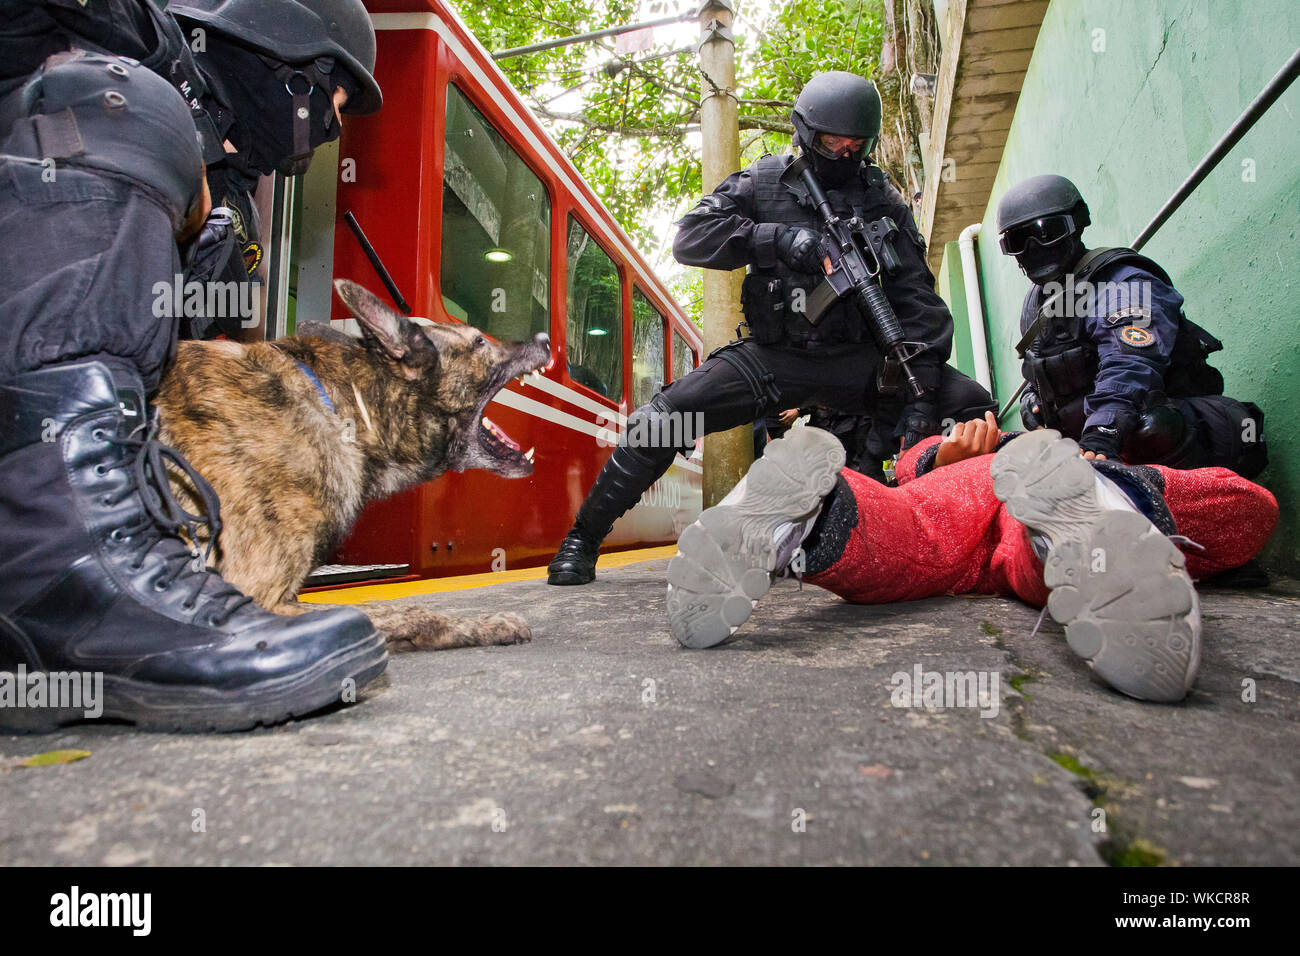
(1101, 440)
(213, 256)
(800, 249)
(1031, 410)
(919, 420)
(209, 254)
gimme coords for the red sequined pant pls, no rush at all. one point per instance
(946, 533)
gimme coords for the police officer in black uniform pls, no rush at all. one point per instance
(101, 190)
(764, 218)
(1110, 359)
(264, 80)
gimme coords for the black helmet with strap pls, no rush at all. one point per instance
(1040, 196)
(838, 104)
(294, 31)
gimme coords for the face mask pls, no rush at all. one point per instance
(1049, 263)
(834, 169)
(282, 112)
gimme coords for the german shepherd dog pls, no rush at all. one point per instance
(292, 470)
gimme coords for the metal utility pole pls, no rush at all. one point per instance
(727, 455)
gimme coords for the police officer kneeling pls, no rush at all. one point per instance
(1109, 358)
(764, 218)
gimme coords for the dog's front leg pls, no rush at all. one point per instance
(415, 628)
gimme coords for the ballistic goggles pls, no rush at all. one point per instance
(1044, 231)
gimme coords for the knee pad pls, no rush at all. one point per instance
(1160, 433)
(660, 428)
(100, 112)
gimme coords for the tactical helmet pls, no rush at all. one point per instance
(295, 31)
(96, 111)
(1040, 221)
(1041, 196)
(839, 103)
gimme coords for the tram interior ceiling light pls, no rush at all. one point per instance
(497, 254)
(598, 331)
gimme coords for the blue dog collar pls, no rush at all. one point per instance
(324, 395)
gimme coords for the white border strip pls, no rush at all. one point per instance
(552, 387)
(536, 409)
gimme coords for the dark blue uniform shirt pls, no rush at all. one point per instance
(1133, 323)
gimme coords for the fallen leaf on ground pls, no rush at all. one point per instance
(55, 757)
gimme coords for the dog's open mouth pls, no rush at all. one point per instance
(485, 443)
(498, 444)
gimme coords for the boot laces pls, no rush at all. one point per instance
(165, 520)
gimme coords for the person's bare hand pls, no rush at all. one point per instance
(969, 440)
(1093, 454)
(788, 417)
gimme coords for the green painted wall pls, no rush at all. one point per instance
(1127, 124)
(951, 286)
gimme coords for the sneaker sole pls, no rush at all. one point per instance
(725, 560)
(151, 707)
(1118, 585)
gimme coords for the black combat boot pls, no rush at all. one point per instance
(619, 486)
(95, 579)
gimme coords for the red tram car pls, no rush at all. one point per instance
(481, 218)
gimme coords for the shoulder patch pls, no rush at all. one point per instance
(1132, 312)
(252, 256)
(1137, 337)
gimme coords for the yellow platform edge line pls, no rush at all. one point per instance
(401, 589)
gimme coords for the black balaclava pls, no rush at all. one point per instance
(832, 170)
(261, 93)
(1050, 263)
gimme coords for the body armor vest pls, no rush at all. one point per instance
(1061, 363)
(786, 202)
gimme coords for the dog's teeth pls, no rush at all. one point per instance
(529, 454)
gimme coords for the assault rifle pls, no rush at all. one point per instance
(860, 253)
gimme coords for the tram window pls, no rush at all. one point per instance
(595, 315)
(647, 349)
(496, 227)
(683, 357)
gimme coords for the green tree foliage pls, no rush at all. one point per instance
(630, 132)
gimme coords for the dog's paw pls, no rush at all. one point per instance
(503, 628)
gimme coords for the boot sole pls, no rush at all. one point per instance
(1118, 585)
(152, 707)
(725, 560)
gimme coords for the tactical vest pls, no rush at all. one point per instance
(1061, 363)
(786, 202)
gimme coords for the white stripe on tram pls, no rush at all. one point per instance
(544, 384)
(536, 409)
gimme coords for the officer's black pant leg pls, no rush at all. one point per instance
(1221, 431)
(718, 395)
(86, 270)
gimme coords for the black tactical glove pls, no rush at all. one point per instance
(800, 249)
(1101, 440)
(213, 256)
(1031, 410)
(920, 420)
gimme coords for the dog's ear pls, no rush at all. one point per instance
(389, 331)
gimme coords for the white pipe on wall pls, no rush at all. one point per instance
(974, 310)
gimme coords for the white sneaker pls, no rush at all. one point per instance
(1118, 585)
(727, 559)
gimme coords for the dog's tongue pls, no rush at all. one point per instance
(499, 435)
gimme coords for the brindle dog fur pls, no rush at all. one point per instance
(292, 476)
